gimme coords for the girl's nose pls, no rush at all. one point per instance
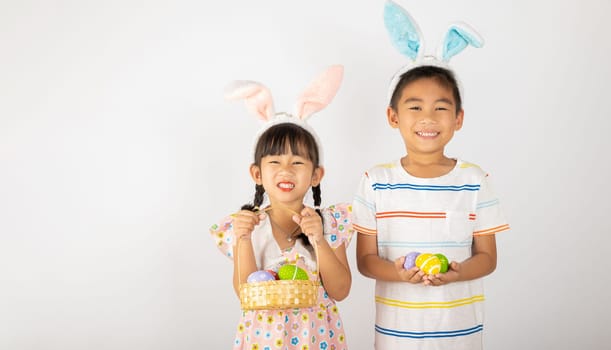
(286, 168)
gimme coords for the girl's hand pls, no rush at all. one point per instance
(444, 278)
(413, 275)
(244, 223)
(311, 224)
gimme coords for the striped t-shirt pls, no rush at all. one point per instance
(428, 215)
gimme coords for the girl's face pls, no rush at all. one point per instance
(426, 117)
(287, 177)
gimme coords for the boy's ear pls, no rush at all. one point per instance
(255, 173)
(460, 118)
(393, 118)
(317, 176)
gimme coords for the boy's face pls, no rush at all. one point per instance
(426, 117)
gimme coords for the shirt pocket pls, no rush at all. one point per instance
(459, 226)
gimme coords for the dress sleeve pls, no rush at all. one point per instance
(364, 206)
(489, 216)
(222, 234)
(338, 224)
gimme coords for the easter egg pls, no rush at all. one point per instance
(420, 259)
(444, 262)
(430, 265)
(260, 276)
(410, 260)
(274, 273)
(292, 272)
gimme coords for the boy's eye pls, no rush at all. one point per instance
(298, 162)
(415, 108)
(441, 109)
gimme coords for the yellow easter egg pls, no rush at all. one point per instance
(420, 258)
(431, 265)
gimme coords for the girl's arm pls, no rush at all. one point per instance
(334, 270)
(243, 253)
(332, 264)
(371, 265)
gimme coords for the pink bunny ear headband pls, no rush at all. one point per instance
(317, 95)
(408, 40)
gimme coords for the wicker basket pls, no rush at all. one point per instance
(279, 294)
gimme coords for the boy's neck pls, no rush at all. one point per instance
(428, 166)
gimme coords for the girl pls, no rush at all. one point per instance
(265, 235)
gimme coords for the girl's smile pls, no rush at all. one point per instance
(286, 186)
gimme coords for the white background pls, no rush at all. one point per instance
(118, 151)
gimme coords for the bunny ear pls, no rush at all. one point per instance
(320, 92)
(257, 97)
(457, 38)
(403, 31)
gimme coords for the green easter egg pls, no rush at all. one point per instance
(292, 272)
(444, 263)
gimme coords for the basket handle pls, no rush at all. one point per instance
(315, 245)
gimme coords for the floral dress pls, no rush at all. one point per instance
(317, 327)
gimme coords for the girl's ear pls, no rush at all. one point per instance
(257, 97)
(255, 173)
(458, 36)
(318, 175)
(393, 118)
(319, 92)
(403, 31)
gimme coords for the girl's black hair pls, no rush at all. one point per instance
(443, 76)
(277, 140)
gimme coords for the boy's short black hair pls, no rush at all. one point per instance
(443, 76)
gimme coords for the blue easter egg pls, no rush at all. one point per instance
(410, 260)
(260, 276)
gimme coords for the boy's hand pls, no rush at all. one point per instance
(443, 278)
(244, 223)
(310, 223)
(413, 275)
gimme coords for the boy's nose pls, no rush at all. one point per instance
(428, 118)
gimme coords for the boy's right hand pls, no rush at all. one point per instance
(244, 223)
(413, 275)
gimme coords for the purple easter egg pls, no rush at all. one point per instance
(410, 260)
(260, 276)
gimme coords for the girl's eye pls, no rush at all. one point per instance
(297, 163)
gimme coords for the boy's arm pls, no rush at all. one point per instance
(371, 265)
(481, 263)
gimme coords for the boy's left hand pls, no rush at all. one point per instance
(310, 223)
(440, 279)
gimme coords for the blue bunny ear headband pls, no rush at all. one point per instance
(407, 38)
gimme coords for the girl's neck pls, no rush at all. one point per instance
(284, 228)
(428, 166)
